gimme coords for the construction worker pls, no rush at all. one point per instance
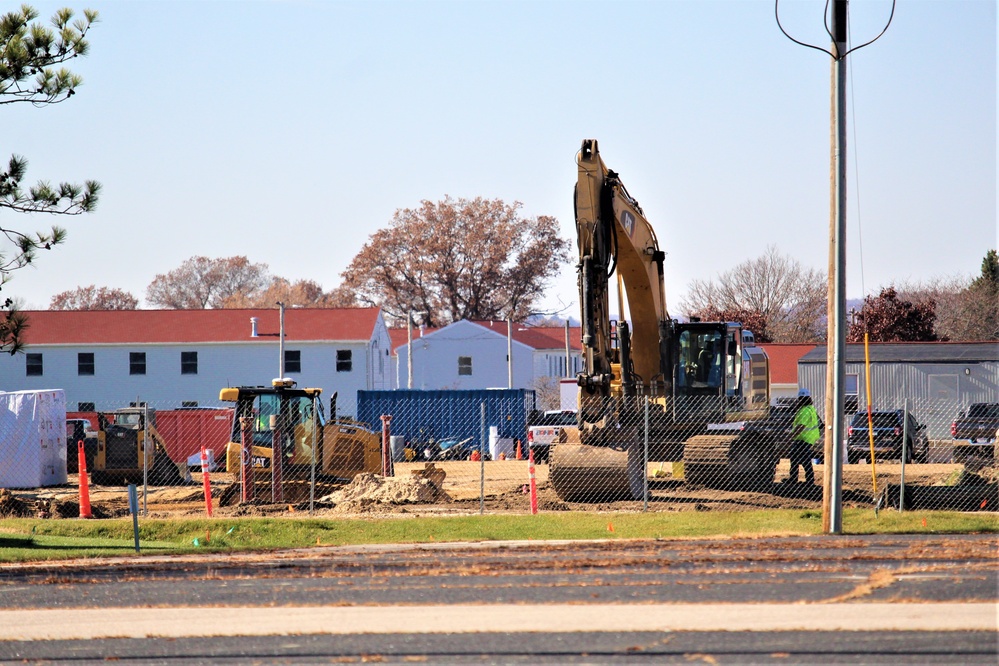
(804, 435)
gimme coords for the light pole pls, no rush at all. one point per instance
(254, 333)
(409, 345)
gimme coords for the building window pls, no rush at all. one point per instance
(344, 360)
(85, 363)
(292, 361)
(464, 365)
(137, 363)
(33, 365)
(189, 363)
(86, 406)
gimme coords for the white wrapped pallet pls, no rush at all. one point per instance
(32, 438)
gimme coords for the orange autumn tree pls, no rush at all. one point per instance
(456, 259)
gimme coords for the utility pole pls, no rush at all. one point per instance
(832, 483)
(509, 352)
(835, 407)
(409, 349)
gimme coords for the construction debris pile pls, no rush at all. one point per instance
(367, 490)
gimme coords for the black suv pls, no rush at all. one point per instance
(889, 427)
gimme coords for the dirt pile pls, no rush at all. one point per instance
(13, 507)
(367, 491)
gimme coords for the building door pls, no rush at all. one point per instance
(944, 401)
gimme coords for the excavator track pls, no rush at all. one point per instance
(729, 461)
(583, 473)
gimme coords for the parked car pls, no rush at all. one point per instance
(889, 429)
(543, 430)
(975, 432)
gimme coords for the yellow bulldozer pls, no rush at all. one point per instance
(131, 450)
(292, 419)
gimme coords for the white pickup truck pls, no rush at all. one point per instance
(544, 429)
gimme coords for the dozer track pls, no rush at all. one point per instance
(729, 462)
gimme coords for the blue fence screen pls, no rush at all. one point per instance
(421, 416)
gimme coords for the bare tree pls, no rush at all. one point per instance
(456, 259)
(547, 391)
(965, 308)
(201, 283)
(790, 298)
(93, 297)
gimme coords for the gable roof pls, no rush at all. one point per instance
(913, 352)
(64, 327)
(400, 336)
(784, 361)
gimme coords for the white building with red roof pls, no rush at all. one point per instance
(473, 355)
(176, 358)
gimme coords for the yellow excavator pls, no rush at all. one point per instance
(294, 417)
(701, 381)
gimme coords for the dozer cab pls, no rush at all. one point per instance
(131, 450)
(294, 417)
(701, 380)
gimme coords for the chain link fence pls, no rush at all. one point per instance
(495, 455)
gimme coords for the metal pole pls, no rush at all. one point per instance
(409, 349)
(645, 459)
(281, 341)
(568, 353)
(316, 425)
(832, 485)
(482, 460)
(509, 352)
(905, 438)
(145, 459)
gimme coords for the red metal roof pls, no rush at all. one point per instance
(55, 327)
(784, 361)
(536, 337)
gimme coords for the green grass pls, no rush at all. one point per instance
(28, 539)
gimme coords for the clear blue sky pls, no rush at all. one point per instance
(290, 131)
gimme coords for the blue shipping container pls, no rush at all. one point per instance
(420, 416)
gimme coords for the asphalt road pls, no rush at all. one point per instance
(879, 599)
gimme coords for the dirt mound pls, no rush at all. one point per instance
(369, 490)
(12, 506)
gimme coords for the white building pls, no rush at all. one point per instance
(182, 358)
(473, 355)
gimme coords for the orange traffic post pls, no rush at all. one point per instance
(534, 483)
(206, 481)
(519, 453)
(84, 484)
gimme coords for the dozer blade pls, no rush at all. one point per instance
(582, 473)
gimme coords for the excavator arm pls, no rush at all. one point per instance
(613, 235)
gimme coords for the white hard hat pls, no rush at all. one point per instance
(804, 393)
